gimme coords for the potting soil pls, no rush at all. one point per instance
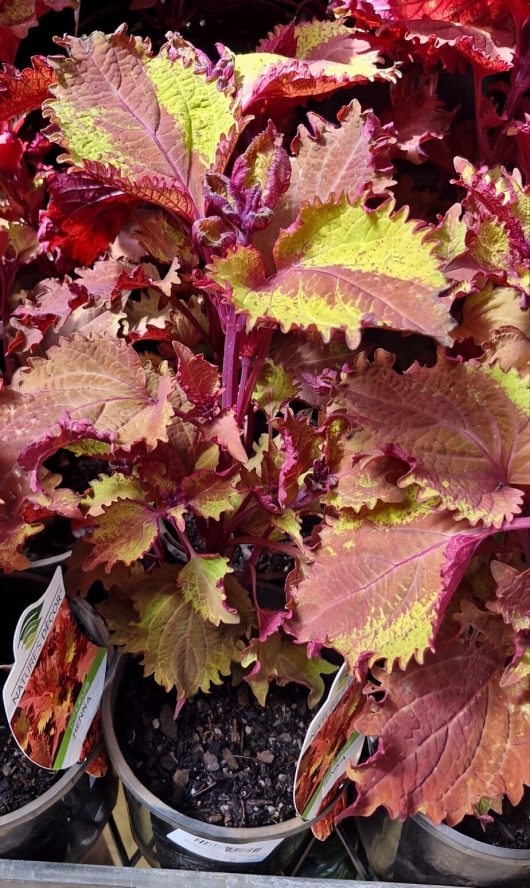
(509, 830)
(225, 760)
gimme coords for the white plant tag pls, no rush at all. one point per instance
(249, 852)
(54, 689)
(330, 745)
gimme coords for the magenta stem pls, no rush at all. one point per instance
(230, 361)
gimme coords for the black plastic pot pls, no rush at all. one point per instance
(420, 853)
(65, 822)
(172, 840)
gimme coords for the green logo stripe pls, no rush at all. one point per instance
(30, 627)
(351, 740)
(65, 742)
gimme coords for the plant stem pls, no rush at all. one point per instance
(522, 523)
(240, 407)
(230, 361)
(259, 361)
(7, 277)
(482, 136)
(185, 542)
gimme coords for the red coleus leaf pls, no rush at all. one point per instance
(388, 579)
(301, 446)
(341, 267)
(308, 59)
(264, 166)
(197, 377)
(333, 160)
(520, 130)
(23, 91)
(18, 16)
(513, 595)
(83, 216)
(482, 32)
(149, 126)
(474, 458)
(490, 310)
(449, 734)
(497, 243)
(509, 348)
(11, 152)
(224, 430)
(95, 378)
(69, 430)
(91, 303)
(49, 306)
(360, 482)
(418, 116)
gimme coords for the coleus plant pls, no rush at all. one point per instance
(237, 344)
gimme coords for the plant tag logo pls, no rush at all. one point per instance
(54, 689)
(330, 745)
(29, 628)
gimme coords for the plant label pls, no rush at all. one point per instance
(330, 745)
(247, 852)
(54, 689)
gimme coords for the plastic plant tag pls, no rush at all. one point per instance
(224, 852)
(330, 745)
(54, 689)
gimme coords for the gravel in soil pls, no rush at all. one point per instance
(225, 760)
(20, 781)
(509, 830)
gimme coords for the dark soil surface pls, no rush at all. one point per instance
(225, 760)
(511, 830)
(20, 780)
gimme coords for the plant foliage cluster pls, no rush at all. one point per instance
(275, 304)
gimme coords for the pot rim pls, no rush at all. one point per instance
(47, 799)
(233, 835)
(468, 845)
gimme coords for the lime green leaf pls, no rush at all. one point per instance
(279, 659)
(209, 494)
(108, 489)
(274, 388)
(324, 57)
(153, 125)
(342, 267)
(488, 311)
(125, 531)
(289, 522)
(379, 586)
(201, 583)
(179, 648)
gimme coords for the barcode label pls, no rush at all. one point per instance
(251, 852)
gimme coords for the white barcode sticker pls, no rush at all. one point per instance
(249, 852)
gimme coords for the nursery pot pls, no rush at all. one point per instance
(421, 853)
(173, 840)
(63, 823)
